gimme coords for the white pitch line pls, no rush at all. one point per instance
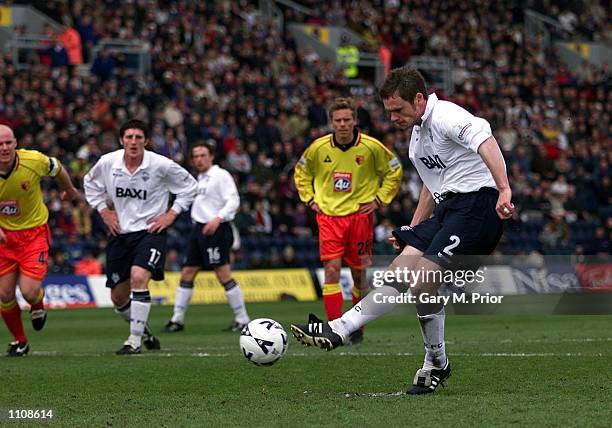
(226, 351)
(374, 394)
(332, 354)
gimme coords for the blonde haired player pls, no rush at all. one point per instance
(24, 233)
(344, 177)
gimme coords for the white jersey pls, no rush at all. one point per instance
(217, 196)
(140, 196)
(444, 149)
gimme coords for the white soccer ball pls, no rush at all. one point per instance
(263, 341)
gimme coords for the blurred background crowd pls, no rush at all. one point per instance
(223, 75)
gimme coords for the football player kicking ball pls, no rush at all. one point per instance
(465, 188)
(24, 233)
(211, 239)
(139, 184)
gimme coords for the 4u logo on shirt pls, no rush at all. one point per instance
(433, 162)
(343, 181)
(9, 208)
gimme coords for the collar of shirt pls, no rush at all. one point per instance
(432, 99)
(120, 162)
(344, 147)
(211, 170)
(13, 167)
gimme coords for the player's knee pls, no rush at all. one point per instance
(7, 295)
(119, 297)
(188, 273)
(118, 302)
(139, 278)
(30, 295)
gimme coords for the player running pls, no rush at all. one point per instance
(24, 233)
(139, 183)
(211, 239)
(344, 177)
(465, 188)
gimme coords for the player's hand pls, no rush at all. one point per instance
(504, 207)
(211, 227)
(394, 242)
(2, 236)
(162, 221)
(315, 207)
(71, 195)
(111, 221)
(369, 208)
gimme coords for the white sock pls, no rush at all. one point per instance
(372, 306)
(138, 319)
(432, 328)
(236, 302)
(181, 302)
(124, 311)
(134, 341)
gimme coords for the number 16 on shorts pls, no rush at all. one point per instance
(214, 255)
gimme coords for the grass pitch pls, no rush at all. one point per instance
(508, 370)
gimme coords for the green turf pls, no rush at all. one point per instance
(520, 370)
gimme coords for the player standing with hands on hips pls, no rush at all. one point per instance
(211, 239)
(465, 188)
(139, 183)
(344, 177)
(24, 233)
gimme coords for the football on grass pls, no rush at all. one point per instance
(263, 341)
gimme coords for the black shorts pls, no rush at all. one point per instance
(144, 249)
(462, 224)
(209, 251)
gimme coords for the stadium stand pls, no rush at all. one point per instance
(222, 74)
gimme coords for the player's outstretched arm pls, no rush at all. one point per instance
(69, 192)
(303, 177)
(491, 155)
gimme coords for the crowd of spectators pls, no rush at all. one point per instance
(222, 74)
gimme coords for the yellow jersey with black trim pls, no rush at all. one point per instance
(21, 202)
(340, 179)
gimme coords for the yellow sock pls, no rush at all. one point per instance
(7, 306)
